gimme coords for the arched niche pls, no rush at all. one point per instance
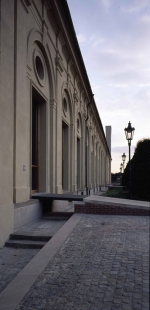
(34, 41)
(41, 91)
(67, 119)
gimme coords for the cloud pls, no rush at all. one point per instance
(115, 48)
(96, 87)
(134, 6)
(81, 38)
(145, 19)
(118, 85)
(106, 3)
(98, 42)
(121, 149)
(115, 112)
(143, 85)
(130, 77)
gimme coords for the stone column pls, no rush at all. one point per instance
(105, 169)
(56, 132)
(110, 170)
(93, 168)
(97, 165)
(89, 152)
(75, 144)
(55, 146)
(101, 168)
(82, 162)
(73, 158)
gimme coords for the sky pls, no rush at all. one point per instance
(114, 39)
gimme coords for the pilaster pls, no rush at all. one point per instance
(53, 133)
(89, 153)
(83, 156)
(72, 166)
(56, 180)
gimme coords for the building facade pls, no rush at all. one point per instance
(51, 135)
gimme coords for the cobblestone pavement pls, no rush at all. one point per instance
(103, 264)
(12, 261)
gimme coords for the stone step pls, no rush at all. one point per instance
(20, 236)
(25, 244)
(60, 216)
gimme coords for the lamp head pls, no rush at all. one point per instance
(129, 132)
(123, 157)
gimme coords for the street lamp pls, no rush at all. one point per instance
(129, 132)
(123, 159)
(120, 172)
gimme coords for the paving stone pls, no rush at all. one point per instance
(98, 267)
(13, 260)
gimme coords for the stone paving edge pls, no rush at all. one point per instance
(12, 295)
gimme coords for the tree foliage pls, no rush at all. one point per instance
(140, 171)
(115, 176)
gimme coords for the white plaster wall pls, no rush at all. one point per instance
(6, 222)
(60, 205)
(6, 119)
(27, 214)
(6, 103)
(16, 81)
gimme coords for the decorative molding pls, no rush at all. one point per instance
(52, 19)
(72, 70)
(26, 4)
(65, 106)
(44, 26)
(72, 126)
(83, 96)
(59, 62)
(85, 115)
(47, 4)
(68, 78)
(41, 66)
(75, 96)
(53, 104)
(70, 64)
(61, 38)
(29, 70)
(79, 110)
(65, 52)
(77, 80)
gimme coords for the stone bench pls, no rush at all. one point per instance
(46, 199)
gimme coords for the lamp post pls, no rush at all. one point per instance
(129, 132)
(123, 159)
(120, 172)
(121, 166)
(86, 144)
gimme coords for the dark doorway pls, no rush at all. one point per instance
(65, 156)
(78, 164)
(35, 145)
(38, 142)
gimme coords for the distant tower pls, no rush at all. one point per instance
(108, 137)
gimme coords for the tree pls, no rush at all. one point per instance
(140, 171)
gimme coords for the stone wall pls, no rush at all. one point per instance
(45, 115)
(91, 208)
